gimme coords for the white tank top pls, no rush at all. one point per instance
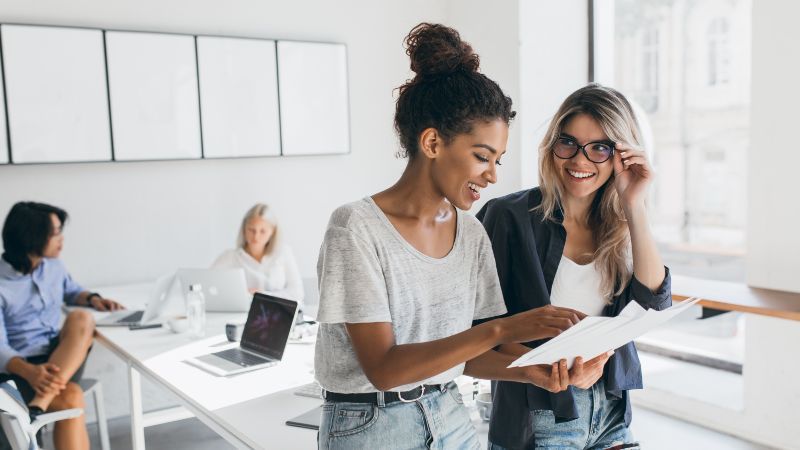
(578, 287)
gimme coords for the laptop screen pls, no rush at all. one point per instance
(268, 325)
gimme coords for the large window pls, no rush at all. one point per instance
(686, 66)
(718, 52)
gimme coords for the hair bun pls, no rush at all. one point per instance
(438, 50)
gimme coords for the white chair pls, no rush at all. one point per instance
(95, 387)
(16, 422)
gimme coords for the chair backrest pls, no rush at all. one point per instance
(14, 417)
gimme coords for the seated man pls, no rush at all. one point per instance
(44, 358)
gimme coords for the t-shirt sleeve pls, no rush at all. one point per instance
(351, 283)
(489, 297)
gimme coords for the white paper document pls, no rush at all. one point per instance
(595, 335)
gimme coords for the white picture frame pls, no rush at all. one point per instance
(155, 112)
(238, 97)
(56, 94)
(314, 98)
(3, 129)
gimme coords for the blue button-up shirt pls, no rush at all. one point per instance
(31, 308)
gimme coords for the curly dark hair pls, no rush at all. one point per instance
(447, 93)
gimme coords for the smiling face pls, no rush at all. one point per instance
(469, 163)
(257, 233)
(55, 243)
(580, 177)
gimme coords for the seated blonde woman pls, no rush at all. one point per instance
(269, 265)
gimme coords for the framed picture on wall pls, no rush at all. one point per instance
(55, 82)
(314, 99)
(155, 112)
(238, 97)
(3, 135)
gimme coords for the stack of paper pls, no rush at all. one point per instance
(595, 335)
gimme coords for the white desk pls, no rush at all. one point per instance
(248, 410)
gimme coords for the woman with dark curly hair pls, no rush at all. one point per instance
(403, 273)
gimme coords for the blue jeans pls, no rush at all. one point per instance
(437, 420)
(601, 424)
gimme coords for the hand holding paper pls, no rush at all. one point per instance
(548, 321)
(593, 336)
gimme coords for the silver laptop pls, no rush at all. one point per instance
(225, 290)
(263, 340)
(152, 311)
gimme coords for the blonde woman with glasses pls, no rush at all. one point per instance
(580, 240)
(268, 263)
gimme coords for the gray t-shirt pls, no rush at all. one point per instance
(369, 273)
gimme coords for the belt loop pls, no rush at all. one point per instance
(443, 387)
(381, 401)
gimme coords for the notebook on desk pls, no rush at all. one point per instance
(309, 419)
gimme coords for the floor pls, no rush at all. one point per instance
(653, 430)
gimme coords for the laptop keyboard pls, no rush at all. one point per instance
(132, 318)
(244, 359)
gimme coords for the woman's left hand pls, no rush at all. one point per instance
(553, 378)
(633, 174)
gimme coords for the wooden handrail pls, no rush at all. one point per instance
(727, 296)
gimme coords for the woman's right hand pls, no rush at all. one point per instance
(584, 375)
(44, 378)
(539, 323)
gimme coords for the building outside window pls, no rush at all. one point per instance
(718, 52)
(686, 64)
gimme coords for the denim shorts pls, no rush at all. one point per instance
(437, 420)
(601, 424)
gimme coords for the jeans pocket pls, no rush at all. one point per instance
(352, 418)
(456, 394)
(543, 419)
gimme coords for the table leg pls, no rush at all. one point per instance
(137, 424)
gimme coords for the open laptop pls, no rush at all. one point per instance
(158, 298)
(264, 338)
(225, 290)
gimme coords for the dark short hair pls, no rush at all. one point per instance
(26, 231)
(447, 93)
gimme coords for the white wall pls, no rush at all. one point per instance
(554, 58)
(494, 35)
(133, 221)
(773, 206)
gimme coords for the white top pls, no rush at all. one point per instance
(369, 273)
(275, 274)
(578, 287)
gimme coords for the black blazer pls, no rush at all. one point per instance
(527, 250)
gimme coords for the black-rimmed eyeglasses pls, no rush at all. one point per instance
(597, 151)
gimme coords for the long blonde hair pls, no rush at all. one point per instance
(614, 114)
(263, 211)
